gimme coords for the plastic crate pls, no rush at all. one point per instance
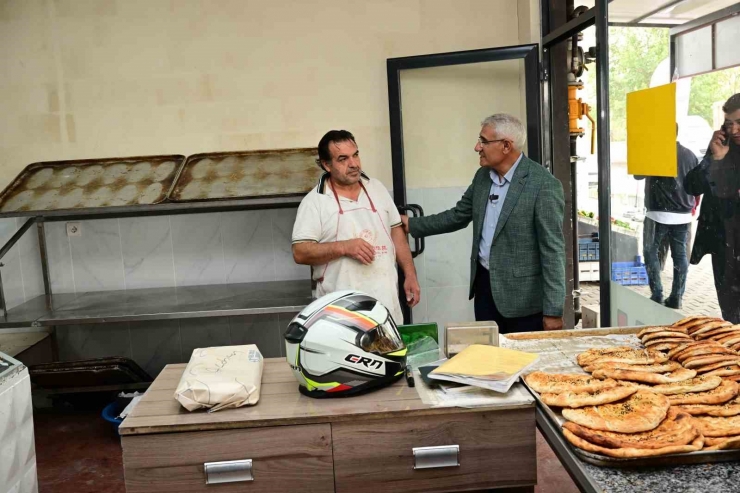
(629, 273)
(588, 250)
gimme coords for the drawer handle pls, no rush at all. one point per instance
(229, 471)
(434, 457)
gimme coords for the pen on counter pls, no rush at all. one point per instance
(409, 376)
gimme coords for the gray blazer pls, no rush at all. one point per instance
(527, 260)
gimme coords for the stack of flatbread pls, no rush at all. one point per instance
(617, 419)
(663, 338)
(681, 393)
(673, 434)
(574, 390)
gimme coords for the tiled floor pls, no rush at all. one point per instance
(77, 453)
(81, 453)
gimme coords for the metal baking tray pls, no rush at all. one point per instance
(246, 174)
(88, 373)
(560, 349)
(91, 183)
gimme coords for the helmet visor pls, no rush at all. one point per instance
(383, 339)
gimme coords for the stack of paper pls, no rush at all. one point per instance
(490, 367)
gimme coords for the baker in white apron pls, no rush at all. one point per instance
(349, 231)
(379, 279)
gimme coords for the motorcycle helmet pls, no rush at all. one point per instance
(342, 344)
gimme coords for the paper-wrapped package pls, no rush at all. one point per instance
(221, 377)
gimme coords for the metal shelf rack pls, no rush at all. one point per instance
(52, 310)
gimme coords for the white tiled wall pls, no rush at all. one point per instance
(444, 267)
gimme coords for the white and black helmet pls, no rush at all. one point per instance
(344, 343)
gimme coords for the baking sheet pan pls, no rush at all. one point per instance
(246, 174)
(558, 351)
(91, 183)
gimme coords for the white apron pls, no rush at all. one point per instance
(380, 278)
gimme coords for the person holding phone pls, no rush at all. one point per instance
(718, 234)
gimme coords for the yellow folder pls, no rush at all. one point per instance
(490, 362)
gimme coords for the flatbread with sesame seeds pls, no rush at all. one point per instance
(624, 355)
(724, 392)
(642, 411)
(725, 371)
(699, 361)
(557, 383)
(587, 356)
(714, 332)
(583, 399)
(664, 334)
(680, 348)
(676, 429)
(631, 452)
(654, 368)
(677, 375)
(713, 366)
(701, 383)
(714, 426)
(690, 319)
(714, 441)
(729, 443)
(705, 350)
(664, 346)
(652, 330)
(708, 326)
(665, 340)
(731, 408)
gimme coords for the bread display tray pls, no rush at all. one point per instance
(558, 351)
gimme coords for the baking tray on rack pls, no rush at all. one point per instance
(558, 351)
(246, 174)
(91, 183)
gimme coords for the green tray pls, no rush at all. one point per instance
(412, 332)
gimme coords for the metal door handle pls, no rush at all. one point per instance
(434, 457)
(230, 471)
(416, 211)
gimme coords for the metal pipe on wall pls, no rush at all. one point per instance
(602, 138)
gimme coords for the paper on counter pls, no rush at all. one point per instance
(221, 377)
(486, 362)
(470, 396)
(489, 367)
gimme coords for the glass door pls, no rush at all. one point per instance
(437, 103)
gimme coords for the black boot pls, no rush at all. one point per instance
(673, 302)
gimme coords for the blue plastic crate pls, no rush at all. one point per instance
(629, 273)
(588, 250)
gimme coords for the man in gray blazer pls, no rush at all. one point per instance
(517, 262)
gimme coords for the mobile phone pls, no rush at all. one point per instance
(727, 133)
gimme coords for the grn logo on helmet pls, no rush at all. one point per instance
(362, 360)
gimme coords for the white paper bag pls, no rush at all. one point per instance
(221, 377)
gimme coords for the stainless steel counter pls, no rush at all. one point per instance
(163, 303)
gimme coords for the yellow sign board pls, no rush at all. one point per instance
(651, 132)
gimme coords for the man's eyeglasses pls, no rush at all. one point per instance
(484, 142)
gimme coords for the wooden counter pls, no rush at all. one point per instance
(354, 444)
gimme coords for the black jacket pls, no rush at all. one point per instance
(719, 182)
(666, 193)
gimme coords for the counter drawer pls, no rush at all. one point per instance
(496, 449)
(284, 459)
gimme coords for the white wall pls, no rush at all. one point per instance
(101, 78)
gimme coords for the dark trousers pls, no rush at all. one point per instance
(727, 283)
(654, 236)
(485, 308)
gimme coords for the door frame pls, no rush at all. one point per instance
(528, 52)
